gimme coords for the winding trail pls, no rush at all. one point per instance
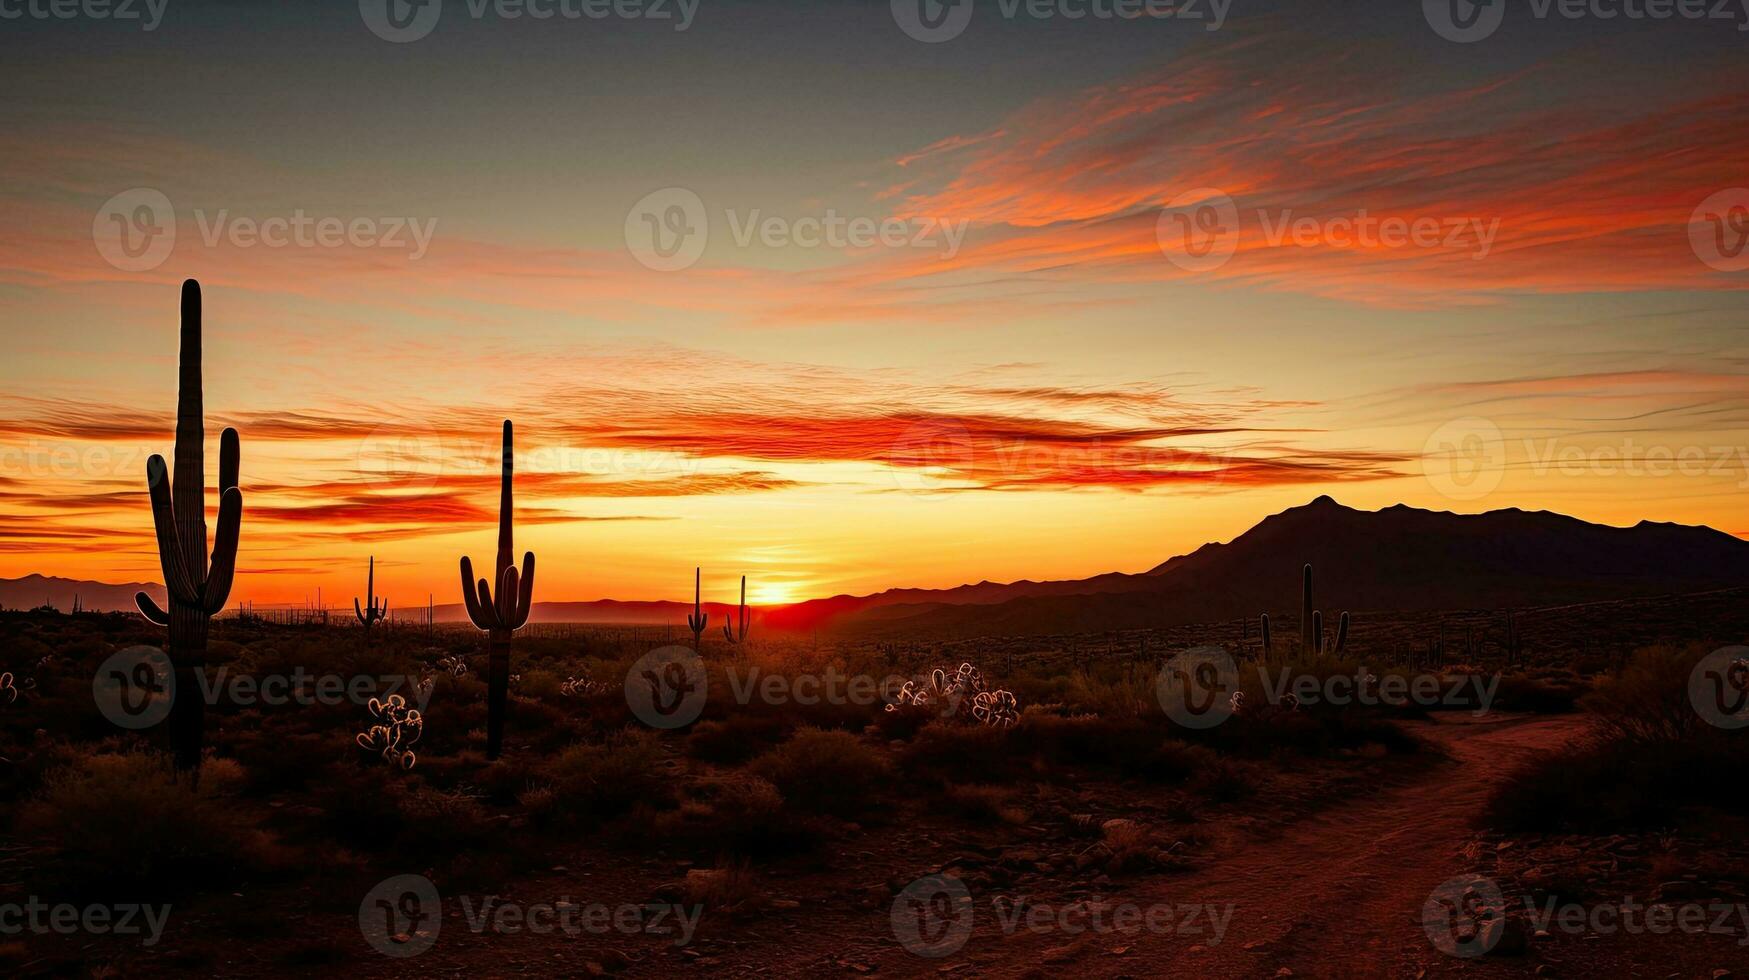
(1338, 894)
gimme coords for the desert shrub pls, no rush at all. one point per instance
(735, 739)
(984, 803)
(1539, 695)
(946, 751)
(1653, 759)
(1648, 700)
(1619, 783)
(905, 720)
(124, 823)
(824, 771)
(592, 779)
(743, 815)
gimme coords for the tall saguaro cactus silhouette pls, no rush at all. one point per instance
(508, 612)
(697, 619)
(196, 589)
(370, 613)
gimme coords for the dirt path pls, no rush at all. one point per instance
(1339, 894)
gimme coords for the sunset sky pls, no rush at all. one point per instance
(1063, 392)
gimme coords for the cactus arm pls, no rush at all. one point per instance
(230, 460)
(507, 594)
(224, 563)
(176, 580)
(525, 597)
(488, 610)
(471, 597)
(150, 610)
(1341, 632)
(358, 610)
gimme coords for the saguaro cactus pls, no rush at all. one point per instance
(370, 613)
(729, 627)
(503, 616)
(1266, 637)
(696, 619)
(196, 589)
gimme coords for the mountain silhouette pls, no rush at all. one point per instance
(1400, 558)
(32, 591)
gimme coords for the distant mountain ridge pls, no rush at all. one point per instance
(1399, 558)
(32, 591)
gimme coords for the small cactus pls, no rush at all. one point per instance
(1266, 637)
(397, 728)
(697, 619)
(371, 613)
(729, 632)
(502, 615)
(1313, 642)
(196, 589)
